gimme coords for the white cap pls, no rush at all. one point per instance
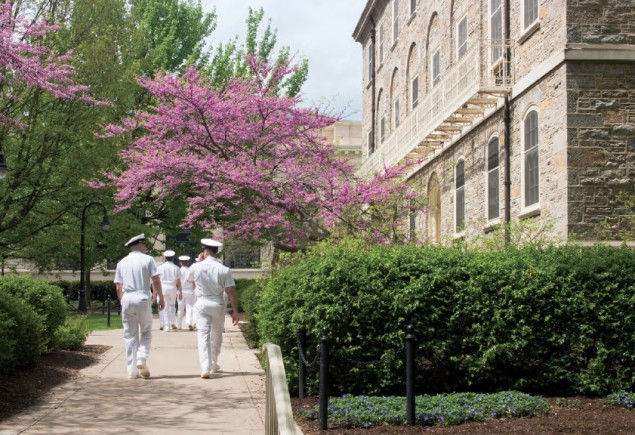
(169, 253)
(210, 243)
(184, 258)
(135, 240)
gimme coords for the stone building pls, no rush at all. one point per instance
(509, 110)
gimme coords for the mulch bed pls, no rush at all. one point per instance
(593, 416)
(27, 385)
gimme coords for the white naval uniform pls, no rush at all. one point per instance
(211, 278)
(134, 272)
(186, 305)
(169, 274)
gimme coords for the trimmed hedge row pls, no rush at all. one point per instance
(558, 320)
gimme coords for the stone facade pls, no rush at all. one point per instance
(568, 69)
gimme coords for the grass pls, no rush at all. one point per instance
(98, 321)
(442, 409)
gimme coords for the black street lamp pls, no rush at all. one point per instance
(3, 165)
(81, 307)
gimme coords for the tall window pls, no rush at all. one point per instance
(396, 111)
(413, 6)
(492, 179)
(461, 39)
(371, 144)
(460, 195)
(415, 92)
(436, 67)
(382, 128)
(530, 12)
(496, 32)
(395, 20)
(531, 170)
(370, 61)
(381, 43)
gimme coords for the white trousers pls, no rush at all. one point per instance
(210, 318)
(186, 309)
(167, 316)
(136, 316)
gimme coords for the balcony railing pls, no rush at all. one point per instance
(485, 69)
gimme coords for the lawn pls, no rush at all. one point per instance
(98, 321)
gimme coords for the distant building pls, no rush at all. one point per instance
(517, 109)
(347, 138)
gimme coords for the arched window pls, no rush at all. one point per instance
(531, 170)
(493, 179)
(394, 94)
(381, 110)
(412, 79)
(459, 195)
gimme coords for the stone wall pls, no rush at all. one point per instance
(601, 140)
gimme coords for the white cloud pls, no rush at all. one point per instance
(318, 30)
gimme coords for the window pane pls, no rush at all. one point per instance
(413, 6)
(397, 113)
(531, 12)
(531, 177)
(462, 37)
(415, 92)
(383, 129)
(496, 30)
(395, 20)
(460, 173)
(460, 209)
(381, 43)
(531, 130)
(492, 194)
(436, 67)
(492, 154)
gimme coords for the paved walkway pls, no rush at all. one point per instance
(175, 400)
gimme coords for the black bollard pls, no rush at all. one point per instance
(410, 375)
(301, 364)
(108, 317)
(324, 379)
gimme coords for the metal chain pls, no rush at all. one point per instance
(303, 357)
(384, 359)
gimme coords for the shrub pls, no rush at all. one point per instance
(72, 334)
(46, 299)
(249, 296)
(556, 320)
(21, 333)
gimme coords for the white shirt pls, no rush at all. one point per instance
(169, 274)
(186, 285)
(135, 272)
(211, 277)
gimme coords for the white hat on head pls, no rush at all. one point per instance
(184, 258)
(135, 240)
(169, 253)
(211, 243)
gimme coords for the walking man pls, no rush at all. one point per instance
(186, 305)
(170, 275)
(211, 278)
(133, 276)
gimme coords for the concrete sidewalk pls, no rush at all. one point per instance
(175, 400)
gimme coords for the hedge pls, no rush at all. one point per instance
(557, 320)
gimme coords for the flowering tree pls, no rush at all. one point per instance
(249, 162)
(25, 60)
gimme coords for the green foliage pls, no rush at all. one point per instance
(557, 320)
(443, 409)
(72, 334)
(45, 299)
(623, 398)
(248, 297)
(21, 333)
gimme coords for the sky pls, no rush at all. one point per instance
(317, 30)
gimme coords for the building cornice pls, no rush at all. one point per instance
(363, 20)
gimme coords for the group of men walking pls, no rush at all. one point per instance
(199, 289)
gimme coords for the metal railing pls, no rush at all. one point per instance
(473, 73)
(278, 413)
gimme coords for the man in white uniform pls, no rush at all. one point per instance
(211, 278)
(133, 276)
(186, 305)
(170, 275)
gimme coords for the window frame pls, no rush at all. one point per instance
(489, 177)
(459, 196)
(381, 43)
(524, 8)
(435, 66)
(526, 135)
(413, 6)
(371, 67)
(459, 44)
(395, 21)
(414, 89)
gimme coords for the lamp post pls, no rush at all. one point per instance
(81, 307)
(3, 165)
